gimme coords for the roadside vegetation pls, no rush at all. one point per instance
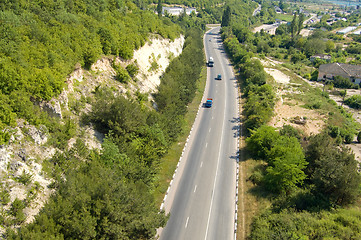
(307, 185)
(111, 193)
(99, 187)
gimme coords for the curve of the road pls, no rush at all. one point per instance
(201, 200)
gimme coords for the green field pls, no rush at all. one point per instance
(284, 17)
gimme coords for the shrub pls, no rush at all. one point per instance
(314, 105)
(4, 197)
(342, 82)
(132, 69)
(314, 75)
(256, 177)
(354, 101)
(16, 210)
(289, 131)
(24, 178)
(348, 138)
(121, 74)
(334, 131)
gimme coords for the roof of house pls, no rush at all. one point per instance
(346, 30)
(341, 69)
(321, 55)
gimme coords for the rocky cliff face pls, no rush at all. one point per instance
(21, 172)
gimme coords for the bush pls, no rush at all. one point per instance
(24, 178)
(256, 177)
(342, 82)
(289, 131)
(354, 101)
(314, 105)
(132, 69)
(334, 131)
(314, 75)
(4, 197)
(259, 106)
(121, 74)
(348, 138)
(16, 210)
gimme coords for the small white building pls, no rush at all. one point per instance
(176, 11)
(320, 56)
(358, 32)
(346, 30)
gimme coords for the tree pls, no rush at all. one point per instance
(262, 141)
(159, 8)
(330, 46)
(286, 162)
(96, 202)
(294, 25)
(284, 156)
(297, 57)
(283, 5)
(226, 18)
(281, 29)
(301, 19)
(285, 175)
(332, 169)
(313, 46)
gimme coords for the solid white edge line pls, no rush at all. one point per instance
(219, 156)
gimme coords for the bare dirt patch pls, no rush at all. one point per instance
(279, 76)
(287, 113)
(290, 112)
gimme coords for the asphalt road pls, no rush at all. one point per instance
(201, 201)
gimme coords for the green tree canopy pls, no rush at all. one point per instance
(226, 18)
(96, 202)
(332, 169)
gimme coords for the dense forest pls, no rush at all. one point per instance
(42, 41)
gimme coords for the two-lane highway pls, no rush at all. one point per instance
(201, 201)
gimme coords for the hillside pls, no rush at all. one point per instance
(78, 83)
(29, 149)
(42, 42)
